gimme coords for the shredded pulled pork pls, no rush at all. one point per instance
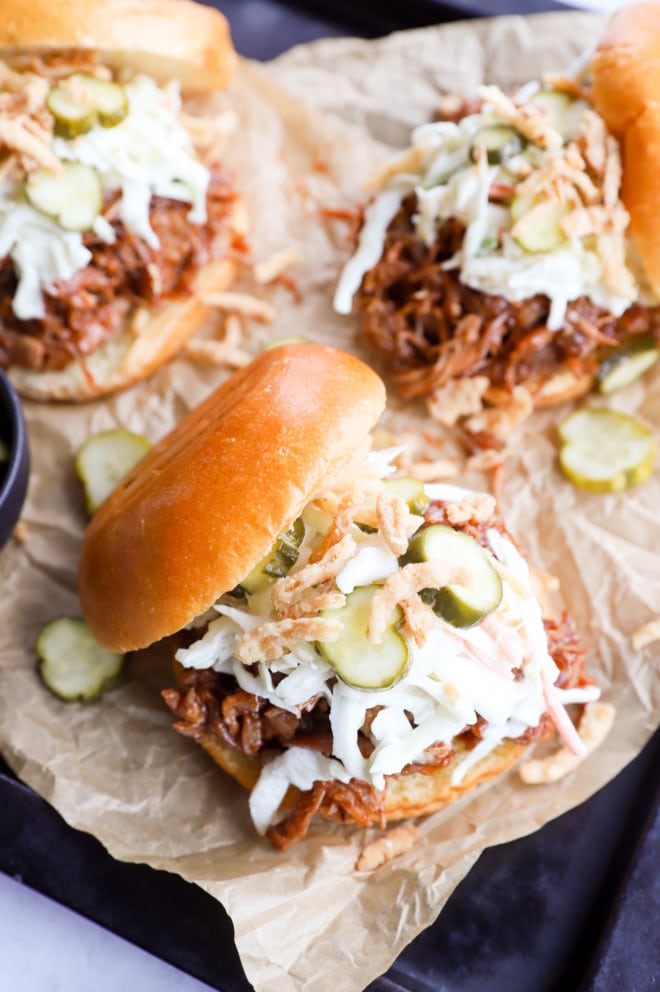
(90, 308)
(430, 329)
(354, 802)
(211, 705)
(208, 704)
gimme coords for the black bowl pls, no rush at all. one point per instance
(14, 472)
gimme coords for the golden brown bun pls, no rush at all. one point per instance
(167, 39)
(406, 796)
(150, 338)
(626, 88)
(205, 505)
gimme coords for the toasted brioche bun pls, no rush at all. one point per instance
(150, 337)
(406, 795)
(206, 504)
(626, 88)
(167, 39)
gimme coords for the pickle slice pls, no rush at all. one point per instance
(81, 101)
(546, 233)
(500, 142)
(627, 363)
(412, 490)
(104, 460)
(604, 451)
(564, 111)
(278, 562)
(357, 660)
(73, 197)
(461, 606)
(72, 664)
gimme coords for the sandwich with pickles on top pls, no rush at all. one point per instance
(511, 254)
(349, 644)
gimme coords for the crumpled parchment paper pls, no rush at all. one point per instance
(305, 919)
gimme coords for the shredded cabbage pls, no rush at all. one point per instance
(297, 766)
(456, 677)
(448, 183)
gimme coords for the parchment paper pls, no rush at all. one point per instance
(305, 920)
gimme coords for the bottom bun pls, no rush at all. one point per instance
(420, 793)
(406, 795)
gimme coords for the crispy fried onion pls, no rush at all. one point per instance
(26, 127)
(291, 589)
(225, 352)
(595, 724)
(648, 633)
(419, 619)
(395, 521)
(500, 421)
(373, 506)
(478, 509)
(532, 121)
(402, 585)
(323, 597)
(457, 398)
(396, 842)
(271, 639)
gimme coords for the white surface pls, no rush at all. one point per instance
(47, 948)
(604, 6)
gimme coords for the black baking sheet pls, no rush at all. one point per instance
(262, 29)
(572, 907)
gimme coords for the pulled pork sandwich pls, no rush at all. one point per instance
(356, 645)
(114, 210)
(494, 253)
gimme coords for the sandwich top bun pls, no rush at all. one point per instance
(205, 505)
(626, 89)
(164, 38)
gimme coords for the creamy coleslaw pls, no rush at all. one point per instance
(149, 153)
(499, 670)
(450, 180)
